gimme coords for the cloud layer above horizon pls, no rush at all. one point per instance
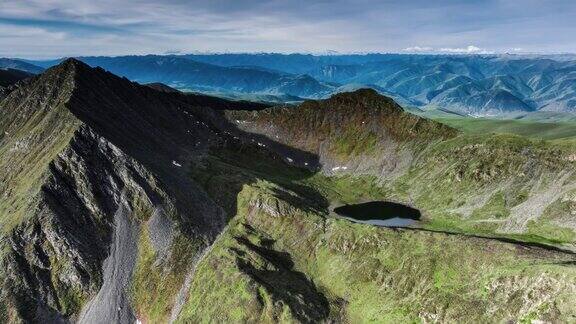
(56, 28)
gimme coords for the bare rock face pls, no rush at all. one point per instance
(94, 197)
(112, 303)
(72, 254)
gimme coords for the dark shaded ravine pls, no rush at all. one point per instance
(380, 213)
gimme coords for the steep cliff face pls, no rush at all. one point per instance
(91, 160)
(34, 127)
(55, 257)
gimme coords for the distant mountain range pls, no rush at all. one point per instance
(6, 63)
(186, 74)
(466, 83)
(470, 84)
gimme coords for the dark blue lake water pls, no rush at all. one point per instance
(380, 213)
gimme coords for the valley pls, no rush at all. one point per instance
(556, 128)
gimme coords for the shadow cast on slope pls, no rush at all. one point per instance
(517, 243)
(171, 133)
(281, 281)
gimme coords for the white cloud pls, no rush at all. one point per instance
(24, 33)
(470, 49)
(112, 27)
(144, 27)
(418, 49)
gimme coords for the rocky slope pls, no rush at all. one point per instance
(88, 161)
(359, 132)
(123, 203)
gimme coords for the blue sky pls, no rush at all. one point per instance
(55, 28)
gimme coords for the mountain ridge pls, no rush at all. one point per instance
(379, 69)
(10, 76)
(87, 180)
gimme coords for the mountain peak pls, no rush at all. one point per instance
(365, 98)
(69, 66)
(362, 92)
(72, 61)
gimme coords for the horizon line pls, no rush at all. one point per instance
(320, 53)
